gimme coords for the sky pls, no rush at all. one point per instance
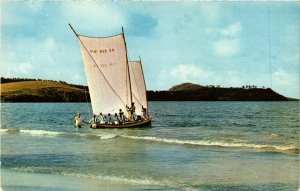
(230, 44)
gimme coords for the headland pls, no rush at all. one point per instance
(37, 90)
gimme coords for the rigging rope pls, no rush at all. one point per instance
(128, 73)
(86, 98)
(137, 99)
(137, 88)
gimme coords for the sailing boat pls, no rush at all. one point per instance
(114, 82)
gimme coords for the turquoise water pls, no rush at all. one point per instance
(190, 146)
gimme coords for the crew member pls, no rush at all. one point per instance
(144, 111)
(101, 119)
(116, 120)
(77, 120)
(93, 122)
(109, 119)
(132, 111)
(121, 116)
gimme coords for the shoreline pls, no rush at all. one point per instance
(19, 180)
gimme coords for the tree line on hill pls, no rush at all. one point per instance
(9, 80)
(181, 92)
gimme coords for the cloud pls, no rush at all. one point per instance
(50, 44)
(32, 57)
(231, 30)
(20, 14)
(232, 78)
(182, 73)
(281, 76)
(188, 71)
(25, 68)
(9, 18)
(87, 16)
(227, 47)
(283, 82)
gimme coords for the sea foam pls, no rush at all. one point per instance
(127, 180)
(107, 136)
(40, 132)
(3, 131)
(146, 181)
(214, 143)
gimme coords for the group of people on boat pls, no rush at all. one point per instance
(115, 119)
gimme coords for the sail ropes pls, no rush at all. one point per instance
(106, 66)
(138, 86)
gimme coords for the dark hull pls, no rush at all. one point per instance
(136, 124)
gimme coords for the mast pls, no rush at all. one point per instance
(145, 85)
(130, 91)
(86, 98)
(73, 30)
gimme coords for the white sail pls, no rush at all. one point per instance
(138, 86)
(106, 67)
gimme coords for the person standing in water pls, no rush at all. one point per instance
(77, 120)
(93, 122)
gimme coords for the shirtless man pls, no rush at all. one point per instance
(77, 120)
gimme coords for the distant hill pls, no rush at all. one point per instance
(41, 91)
(30, 90)
(186, 86)
(218, 94)
(8, 80)
(195, 92)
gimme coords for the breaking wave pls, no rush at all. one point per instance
(215, 143)
(122, 179)
(106, 136)
(31, 132)
(40, 132)
(3, 131)
(145, 181)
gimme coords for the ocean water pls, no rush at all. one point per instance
(190, 146)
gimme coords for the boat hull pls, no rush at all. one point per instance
(136, 124)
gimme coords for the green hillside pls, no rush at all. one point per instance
(41, 91)
(185, 86)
